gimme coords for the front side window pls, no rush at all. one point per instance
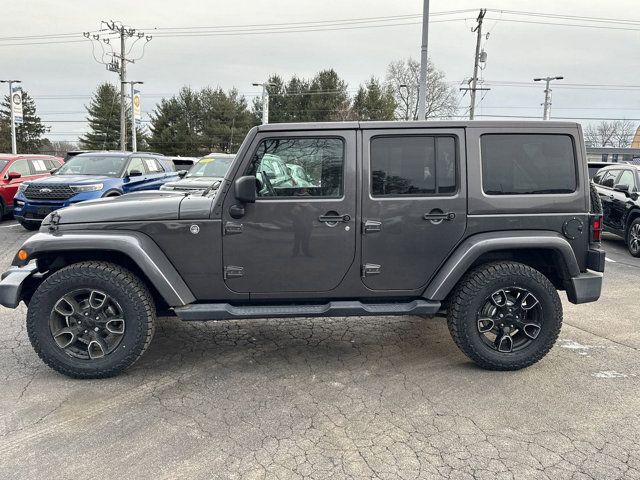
(137, 165)
(413, 165)
(21, 167)
(110, 166)
(527, 164)
(627, 177)
(318, 163)
(609, 178)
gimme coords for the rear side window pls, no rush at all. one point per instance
(39, 166)
(153, 166)
(527, 164)
(413, 165)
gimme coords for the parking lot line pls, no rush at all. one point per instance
(8, 226)
(610, 260)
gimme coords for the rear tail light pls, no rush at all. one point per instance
(596, 228)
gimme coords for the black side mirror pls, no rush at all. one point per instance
(13, 175)
(621, 188)
(182, 173)
(135, 173)
(245, 189)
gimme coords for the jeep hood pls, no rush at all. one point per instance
(154, 205)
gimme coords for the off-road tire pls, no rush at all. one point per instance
(596, 201)
(29, 225)
(630, 244)
(472, 291)
(131, 294)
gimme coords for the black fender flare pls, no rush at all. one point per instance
(110, 193)
(473, 247)
(140, 248)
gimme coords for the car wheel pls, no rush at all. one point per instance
(30, 225)
(91, 320)
(505, 316)
(633, 238)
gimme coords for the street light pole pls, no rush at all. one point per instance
(547, 95)
(14, 146)
(134, 137)
(265, 100)
(424, 58)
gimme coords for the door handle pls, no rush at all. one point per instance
(331, 218)
(439, 217)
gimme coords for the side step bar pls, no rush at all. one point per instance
(226, 311)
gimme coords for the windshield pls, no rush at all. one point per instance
(3, 163)
(210, 167)
(110, 166)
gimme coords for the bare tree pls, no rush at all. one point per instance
(403, 77)
(616, 133)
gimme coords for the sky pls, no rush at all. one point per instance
(600, 65)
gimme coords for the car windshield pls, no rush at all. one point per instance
(3, 163)
(210, 167)
(110, 166)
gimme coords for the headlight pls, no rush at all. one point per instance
(87, 188)
(23, 186)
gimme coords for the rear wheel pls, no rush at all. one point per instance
(505, 316)
(633, 238)
(91, 320)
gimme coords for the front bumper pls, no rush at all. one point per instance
(12, 283)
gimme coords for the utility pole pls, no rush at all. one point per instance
(424, 58)
(134, 139)
(14, 146)
(118, 63)
(265, 100)
(474, 79)
(547, 95)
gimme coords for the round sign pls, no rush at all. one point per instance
(17, 98)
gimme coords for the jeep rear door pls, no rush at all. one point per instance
(413, 204)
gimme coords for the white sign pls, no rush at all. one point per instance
(137, 110)
(16, 104)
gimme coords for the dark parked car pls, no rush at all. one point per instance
(395, 218)
(15, 169)
(206, 173)
(618, 186)
(88, 176)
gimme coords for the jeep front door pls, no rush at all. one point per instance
(296, 237)
(414, 204)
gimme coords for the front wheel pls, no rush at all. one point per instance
(633, 238)
(505, 316)
(91, 320)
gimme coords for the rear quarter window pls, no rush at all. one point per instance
(528, 164)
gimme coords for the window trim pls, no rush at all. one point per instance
(343, 140)
(526, 195)
(435, 136)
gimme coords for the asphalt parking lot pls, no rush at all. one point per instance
(375, 397)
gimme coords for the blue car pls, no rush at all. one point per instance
(89, 176)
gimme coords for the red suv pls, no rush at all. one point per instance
(14, 169)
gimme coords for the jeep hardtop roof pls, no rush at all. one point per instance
(274, 127)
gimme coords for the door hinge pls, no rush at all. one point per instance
(232, 228)
(369, 269)
(232, 271)
(370, 226)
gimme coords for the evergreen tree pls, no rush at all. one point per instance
(104, 122)
(28, 133)
(374, 102)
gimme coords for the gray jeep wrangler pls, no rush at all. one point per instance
(481, 221)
